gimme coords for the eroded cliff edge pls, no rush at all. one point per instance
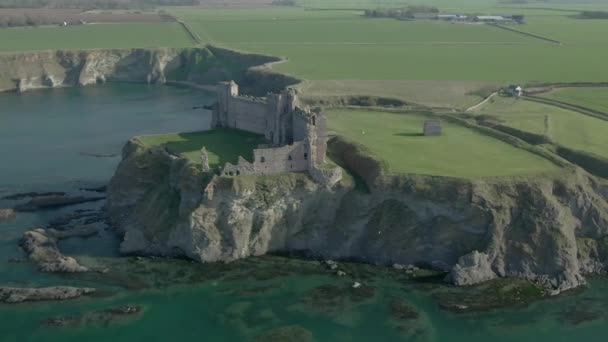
(203, 66)
(551, 229)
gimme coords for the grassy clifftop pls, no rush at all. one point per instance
(223, 145)
(397, 139)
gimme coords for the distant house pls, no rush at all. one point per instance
(452, 17)
(447, 16)
(514, 90)
(430, 16)
(492, 19)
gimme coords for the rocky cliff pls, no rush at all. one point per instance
(208, 65)
(551, 229)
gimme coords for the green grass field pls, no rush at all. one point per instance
(594, 98)
(94, 36)
(444, 94)
(223, 145)
(568, 128)
(570, 31)
(460, 152)
(343, 45)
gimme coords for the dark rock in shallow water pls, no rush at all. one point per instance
(17, 197)
(76, 218)
(99, 155)
(402, 311)
(50, 202)
(100, 317)
(291, 333)
(16, 260)
(362, 293)
(577, 315)
(6, 214)
(125, 310)
(19, 295)
(102, 188)
(325, 297)
(497, 293)
(331, 297)
(62, 322)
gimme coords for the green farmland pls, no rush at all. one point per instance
(223, 145)
(343, 45)
(94, 36)
(568, 128)
(594, 98)
(460, 152)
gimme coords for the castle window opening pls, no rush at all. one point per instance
(314, 120)
(305, 156)
(262, 160)
(238, 172)
(289, 157)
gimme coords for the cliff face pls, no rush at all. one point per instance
(548, 229)
(209, 65)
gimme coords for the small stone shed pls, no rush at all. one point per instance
(432, 128)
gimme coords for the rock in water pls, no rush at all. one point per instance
(49, 202)
(19, 295)
(41, 246)
(24, 195)
(6, 214)
(291, 333)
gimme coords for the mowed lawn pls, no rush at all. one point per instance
(343, 45)
(223, 145)
(460, 152)
(594, 98)
(568, 128)
(94, 36)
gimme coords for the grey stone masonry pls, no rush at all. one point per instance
(297, 135)
(432, 128)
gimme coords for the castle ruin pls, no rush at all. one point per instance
(297, 136)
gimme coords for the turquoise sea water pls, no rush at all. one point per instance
(69, 138)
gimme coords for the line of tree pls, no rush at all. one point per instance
(594, 15)
(95, 4)
(405, 12)
(26, 20)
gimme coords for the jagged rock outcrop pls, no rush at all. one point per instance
(208, 65)
(41, 246)
(551, 229)
(18, 295)
(471, 269)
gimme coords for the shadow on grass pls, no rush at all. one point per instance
(409, 134)
(223, 145)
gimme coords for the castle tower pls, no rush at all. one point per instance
(225, 92)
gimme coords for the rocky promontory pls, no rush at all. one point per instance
(550, 229)
(41, 246)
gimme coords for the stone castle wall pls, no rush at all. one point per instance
(288, 158)
(247, 114)
(297, 136)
